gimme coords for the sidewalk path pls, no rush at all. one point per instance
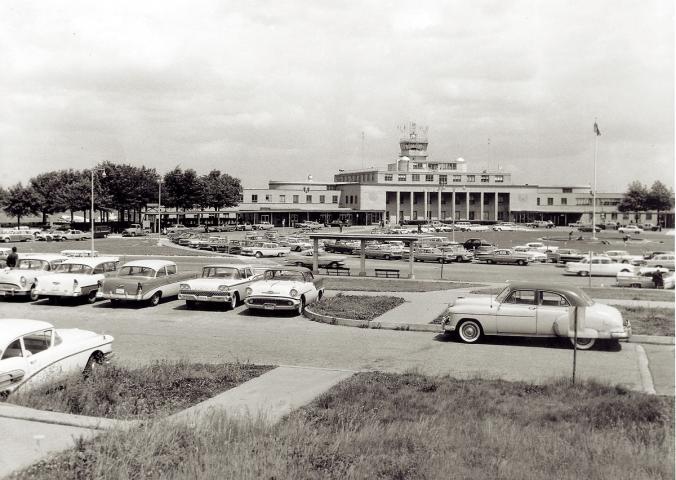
(270, 396)
(636, 303)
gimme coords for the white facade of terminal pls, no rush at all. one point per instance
(415, 188)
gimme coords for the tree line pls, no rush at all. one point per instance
(639, 198)
(126, 189)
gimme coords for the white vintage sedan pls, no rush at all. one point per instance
(21, 281)
(284, 288)
(77, 277)
(536, 310)
(599, 266)
(225, 284)
(265, 249)
(34, 350)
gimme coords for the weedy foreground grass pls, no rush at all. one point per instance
(389, 426)
(649, 320)
(356, 307)
(151, 391)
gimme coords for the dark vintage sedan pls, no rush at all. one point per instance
(145, 280)
(504, 256)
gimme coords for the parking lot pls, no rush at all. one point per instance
(171, 331)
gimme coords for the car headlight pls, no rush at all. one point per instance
(184, 286)
(223, 288)
(248, 291)
(22, 281)
(293, 292)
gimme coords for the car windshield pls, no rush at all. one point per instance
(137, 271)
(220, 272)
(31, 264)
(284, 275)
(74, 268)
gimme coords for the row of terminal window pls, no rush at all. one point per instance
(443, 179)
(295, 198)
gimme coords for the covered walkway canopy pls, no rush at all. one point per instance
(409, 239)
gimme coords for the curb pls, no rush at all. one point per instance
(652, 339)
(18, 412)
(418, 327)
(348, 322)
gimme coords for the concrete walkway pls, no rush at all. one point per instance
(29, 435)
(635, 303)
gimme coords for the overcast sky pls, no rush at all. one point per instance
(282, 89)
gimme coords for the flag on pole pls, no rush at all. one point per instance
(596, 129)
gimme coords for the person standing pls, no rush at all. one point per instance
(12, 258)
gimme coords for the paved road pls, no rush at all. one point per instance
(170, 331)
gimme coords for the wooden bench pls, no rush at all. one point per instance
(387, 272)
(337, 271)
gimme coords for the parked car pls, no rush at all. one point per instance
(219, 283)
(265, 249)
(476, 227)
(541, 247)
(630, 229)
(589, 228)
(71, 234)
(565, 255)
(384, 251)
(463, 226)
(533, 255)
(543, 224)
(77, 277)
(342, 246)
(33, 352)
(134, 230)
(665, 260)
(432, 254)
(643, 277)
(536, 310)
(306, 258)
(8, 235)
(46, 236)
(600, 265)
(20, 281)
(622, 256)
(144, 281)
(284, 288)
(476, 243)
(178, 228)
(263, 226)
(458, 253)
(503, 256)
(504, 227)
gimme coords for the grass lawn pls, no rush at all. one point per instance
(388, 426)
(371, 284)
(649, 320)
(356, 307)
(147, 392)
(616, 293)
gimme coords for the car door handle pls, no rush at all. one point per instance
(32, 362)
(531, 308)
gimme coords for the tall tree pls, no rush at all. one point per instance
(128, 188)
(76, 190)
(220, 191)
(50, 192)
(659, 198)
(21, 201)
(634, 199)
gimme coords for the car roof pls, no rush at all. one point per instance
(233, 265)
(152, 263)
(575, 296)
(43, 256)
(10, 328)
(90, 261)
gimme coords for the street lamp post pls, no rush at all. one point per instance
(159, 212)
(91, 215)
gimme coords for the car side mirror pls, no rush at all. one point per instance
(29, 353)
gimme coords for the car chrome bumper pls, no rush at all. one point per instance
(272, 303)
(14, 293)
(624, 334)
(221, 298)
(122, 296)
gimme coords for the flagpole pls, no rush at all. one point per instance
(596, 148)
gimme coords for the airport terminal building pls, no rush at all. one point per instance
(415, 188)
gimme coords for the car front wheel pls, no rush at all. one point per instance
(234, 300)
(469, 331)
(583, 343)
(301, 306)
(155, 299)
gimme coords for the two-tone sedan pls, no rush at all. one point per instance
(383, 251)
(306, 259)
(33, 352)
(284, 288)
(644, 277)
(502, 256)
(77, 278)
(536, 310)
(600, 266)
(21, 281)
(224, 284)
(145, 281)
(431, 254)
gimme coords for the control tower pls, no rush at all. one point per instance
(413, 142)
